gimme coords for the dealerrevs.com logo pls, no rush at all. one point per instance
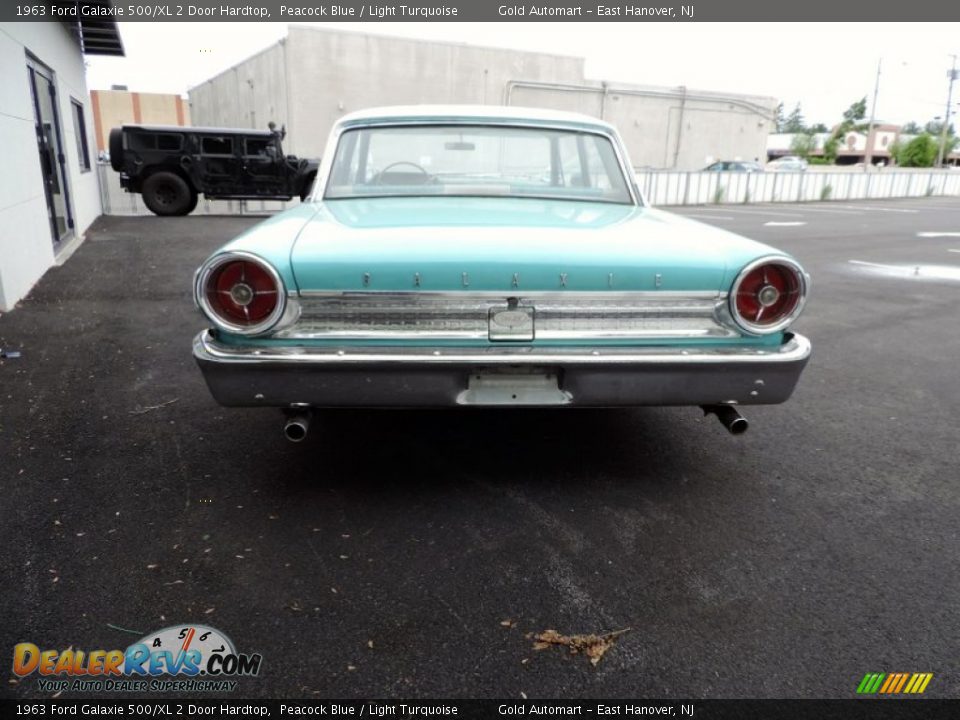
(181, 658)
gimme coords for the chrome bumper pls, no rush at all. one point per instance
(503, 375)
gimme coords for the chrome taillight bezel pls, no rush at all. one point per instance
(803, 283)
(206, 272)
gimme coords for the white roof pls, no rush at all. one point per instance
(469, 113)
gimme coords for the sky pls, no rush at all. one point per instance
(823, 66)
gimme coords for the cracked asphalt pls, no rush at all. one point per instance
(383, 556)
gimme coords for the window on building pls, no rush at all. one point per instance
(80, 131)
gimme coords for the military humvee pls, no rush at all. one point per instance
(170, 166)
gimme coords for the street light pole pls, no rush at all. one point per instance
(868, 157)
(952, 74)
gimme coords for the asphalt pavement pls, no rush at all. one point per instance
(410, 553)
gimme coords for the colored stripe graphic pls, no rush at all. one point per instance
(894, 683)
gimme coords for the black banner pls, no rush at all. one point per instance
(872, 709)
(854, 11)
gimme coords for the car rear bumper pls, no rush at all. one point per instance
(503, 375)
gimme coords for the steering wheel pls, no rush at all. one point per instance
(379, 178)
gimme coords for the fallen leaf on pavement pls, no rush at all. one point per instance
(593, 646)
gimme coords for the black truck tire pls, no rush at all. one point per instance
(166, 193)
(115, 147)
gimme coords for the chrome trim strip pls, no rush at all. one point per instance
(465, 315)
(569, 295)
(207, 348)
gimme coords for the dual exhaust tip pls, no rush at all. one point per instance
(733, 421)
(297, 425)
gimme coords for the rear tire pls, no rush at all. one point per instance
(166, 193)
(116, 149)
(194, 199)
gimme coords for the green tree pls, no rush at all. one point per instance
(919, 152)
(795, 122)
(911, 128)
(857, 111)
(851, 117)
(818, 128)
(779, 120)
(803, 144)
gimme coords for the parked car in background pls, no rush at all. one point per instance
(734, 166)
(170, 166)
(480, 256)
(788, 163)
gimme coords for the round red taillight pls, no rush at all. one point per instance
(241, 293)
(768, 295)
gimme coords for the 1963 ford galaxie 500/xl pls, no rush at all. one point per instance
(456, 256)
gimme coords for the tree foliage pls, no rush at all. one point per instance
(857, 111)
(795, 122)
(851, 121)
(779, 119)
(919, 152)
(803, 144)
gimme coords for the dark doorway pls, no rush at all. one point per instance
(50, 146)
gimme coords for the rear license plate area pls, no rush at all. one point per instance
(520, 386)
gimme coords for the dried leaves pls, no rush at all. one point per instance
(593, 646)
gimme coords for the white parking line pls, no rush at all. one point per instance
(881, 209)
(832, 211)
(775, 213)
(952, 250)
(774, 223)
(937, 234)
(707, 217)
(914, 272)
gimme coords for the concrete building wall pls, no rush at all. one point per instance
(334, 73)
(113, 108)
(26, 243)
(316, 75)
(665, 127)
(326, 74)
(249, 95)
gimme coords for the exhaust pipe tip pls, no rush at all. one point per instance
(737, 426)
(729, 417)
(296, 427)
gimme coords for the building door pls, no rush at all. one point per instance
(53, 162)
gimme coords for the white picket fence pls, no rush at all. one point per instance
(661, 187)
(704, 188)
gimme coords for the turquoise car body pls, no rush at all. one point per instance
(517, 251)
(330, 244)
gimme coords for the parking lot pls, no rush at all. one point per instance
(409, 553)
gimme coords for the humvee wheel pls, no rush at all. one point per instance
(166, 193)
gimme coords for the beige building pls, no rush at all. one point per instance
(312, 77)
(113, 108)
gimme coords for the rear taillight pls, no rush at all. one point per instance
(768, 295)
(240, 293)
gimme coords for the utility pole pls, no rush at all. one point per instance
(868, 157)
(952, 74)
